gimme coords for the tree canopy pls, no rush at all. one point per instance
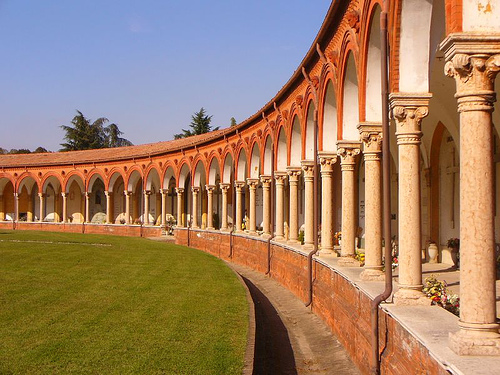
(84, 135)
(38, 150)
(200, 124)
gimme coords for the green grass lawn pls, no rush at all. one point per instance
(73, 303)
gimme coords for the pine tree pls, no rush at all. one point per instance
(200, 124)
(233, 121)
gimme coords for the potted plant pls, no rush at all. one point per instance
(454, 247)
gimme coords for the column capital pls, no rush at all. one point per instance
(327, 160)
(179, 190)
(408, 109)
(239, 185)
(87, 194)
(348, 150)
(224, 187)
(474, 62)
(16, 195)
(147, 192)
(64, 194)
(195, 189)
(127, 193)
(163, 191)
(108, 193)
(252, 183)
(371, 136)
(280, 177)
(266, 180)
(210, 188)
(293, 174)
(308, 168)
(41, 195)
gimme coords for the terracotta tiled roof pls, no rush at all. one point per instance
(108, 154)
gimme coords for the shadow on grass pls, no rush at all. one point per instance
(273, 351)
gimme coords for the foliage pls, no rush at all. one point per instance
(337, 237)
(233, 122)
(360, 257)
(14, 151)
(438, 292)
(453, 243)
(200, 124)
(77, 303)
(84, 135)
(301, 238)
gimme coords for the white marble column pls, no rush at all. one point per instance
(348, 151)
(280, 178)
(408, 110)
(41, 196)
(266, 205)
(147, 195)
(163, 221)
(64, 207)
(224, 187)
(109, 207)
(127, 206)
(240, 185)
(293, 181)
(308, 168)
(180, 218)
(474, 62)
(195, 190)
(16, 207)
(327, 161)
(371, 136)
(210, 206)
(87, 207)
(252, 185)
(30, 213)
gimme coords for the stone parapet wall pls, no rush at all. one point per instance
(338, 301)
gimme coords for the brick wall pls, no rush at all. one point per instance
(336, 300)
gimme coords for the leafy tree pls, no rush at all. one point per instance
(3, 151)
(20, 151)
(200, 124)
(39, 150)
(233, 121)
(84, 135)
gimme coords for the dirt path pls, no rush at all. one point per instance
(290, 339)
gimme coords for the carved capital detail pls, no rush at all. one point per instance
(252, 183)
(371, 136)
(408, 110)
(195, 189)
(210, 188)
(239, 185)
(308, 168)
(224, 187)
(266, 181)
(179, 190)
(293, 173)
(280, 177)
(327, 160)
(348, 151)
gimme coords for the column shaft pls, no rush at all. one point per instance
(280, 183)
(293, 181)
(180, 217)
(210, 206)
(240, 185)
(64, 207)
(252, 185)
(224, 188)
(41, 196)
(127, 207)
(195, 190)
(109, 207)
(327, 161)
(164, 207)
(308, 168)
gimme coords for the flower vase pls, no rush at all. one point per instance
(454, 256)
(433, 252)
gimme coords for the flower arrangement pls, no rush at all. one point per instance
(438, 292)
(337, 236)
(453, 243)
(360, 257)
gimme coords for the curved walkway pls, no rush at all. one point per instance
(290, 339)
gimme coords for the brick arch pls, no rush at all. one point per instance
(48, 175)
(129, 174)
(168, 165)
(199, 160)
(255, 142)
(75, 173)
(241, 148)
(152, 166)
(92, 176)
(114, 171)
(24, 176)
(327, 78)
(307, 137)
(213, 157)
(295, 140)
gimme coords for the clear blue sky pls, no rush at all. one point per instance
(145, 65)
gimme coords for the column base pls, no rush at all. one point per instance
(328, 251)
(370, 274)
(347, 261)
(279, 238)
(225, 230)
(252, 233)
(480, 342)
(293, 242)
(308, 246)
(411, 297)
(265, 236)
(210, 228)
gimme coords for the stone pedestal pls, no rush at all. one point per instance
(280, 178)
(266, 203)
(308, 168)
(224, 187)
(293, 181)
(348, 151)
(327, 161)
(180, 211)
(408, 110)
(371, 136)
(474, 62)
(240, 185)
(195, 190)
(252, 185)
(210, 206)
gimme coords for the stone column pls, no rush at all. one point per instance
(2, 211)
(164, 193)
(195, 190)
(308, 168)
(224, 187)
(408, 110)
(64, 207)
(327, 161)
(41, 196)
(87, 207)
(180, 193)
(371, 136)
(474, 62)
(16, 207)
(127, 206)
(30, 213)
(293, 181)
(280, 183)
(210, 206)
(147, 194)
(239, 204)
(348, 150)
(266, 205)
(109, 208)
(252, 185)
